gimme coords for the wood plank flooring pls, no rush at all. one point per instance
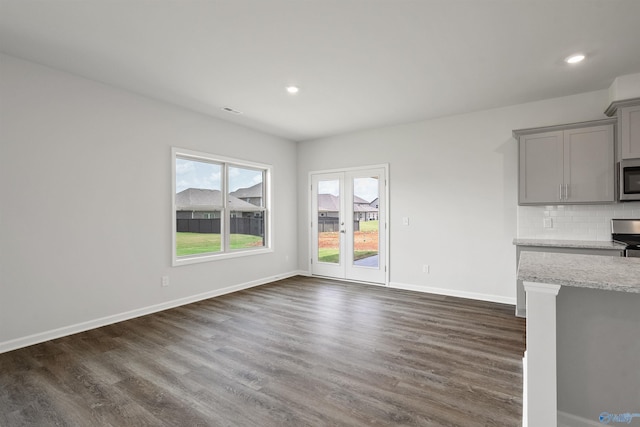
(298, 352)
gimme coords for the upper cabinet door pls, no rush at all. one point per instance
(589, 165)
(629, 132)
(566, 164)
(541, 168)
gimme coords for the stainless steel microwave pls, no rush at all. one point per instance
(630, 179)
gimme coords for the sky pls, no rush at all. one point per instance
(196, 174)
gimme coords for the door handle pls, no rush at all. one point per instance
(560, 191)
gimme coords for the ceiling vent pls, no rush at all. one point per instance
(231, 110)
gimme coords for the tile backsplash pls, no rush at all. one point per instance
(572, 222)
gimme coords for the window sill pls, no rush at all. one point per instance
(197, 259)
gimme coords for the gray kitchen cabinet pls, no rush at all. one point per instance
(541, 167)
(567, 164)
(628, 113)
(629, 122)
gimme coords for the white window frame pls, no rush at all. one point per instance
(226, 210)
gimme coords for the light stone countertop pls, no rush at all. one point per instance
(579, 244)
(584, 271)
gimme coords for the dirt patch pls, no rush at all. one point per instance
(363, 240)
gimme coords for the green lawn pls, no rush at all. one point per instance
(328, 255)
(199, 243)
(368, 226)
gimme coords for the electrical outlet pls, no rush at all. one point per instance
(547, 222)
(405, 220)
(425, 268)
(165, 281)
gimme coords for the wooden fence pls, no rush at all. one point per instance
(328, 224)
(252, 226)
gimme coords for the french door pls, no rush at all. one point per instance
(348, 224)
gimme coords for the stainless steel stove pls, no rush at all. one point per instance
(627, 232)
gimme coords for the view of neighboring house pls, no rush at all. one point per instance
(199, 203)
(329, 206)
(363, 210)
(251, 194)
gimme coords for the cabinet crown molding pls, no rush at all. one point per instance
(612, 109)
(528, 131)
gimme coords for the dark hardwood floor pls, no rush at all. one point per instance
(298, 352)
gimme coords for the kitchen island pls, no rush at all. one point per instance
(583, 342)
(602, 245)
(578, 247)
(583, 271)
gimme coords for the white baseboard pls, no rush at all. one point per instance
(454, 293)
(568, 420)
(305, 273)
(437, 291)
(108, 320)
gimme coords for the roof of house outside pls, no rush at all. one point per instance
(359, 200)
(200, 199)
(331, 203)
(244, 193)
(328, 203)
(357, 207)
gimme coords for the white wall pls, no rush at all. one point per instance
(456, 179)
(85, 214)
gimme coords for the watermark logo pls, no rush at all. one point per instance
(606, 417)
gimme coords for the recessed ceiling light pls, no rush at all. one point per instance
(575, 58)
(293, 89)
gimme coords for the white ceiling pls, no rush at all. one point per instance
(359, 63)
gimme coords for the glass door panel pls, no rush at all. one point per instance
(366, 229)
(327, 225)
(329, 221)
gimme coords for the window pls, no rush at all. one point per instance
(208, 226)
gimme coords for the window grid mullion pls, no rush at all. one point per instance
(226, 222)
